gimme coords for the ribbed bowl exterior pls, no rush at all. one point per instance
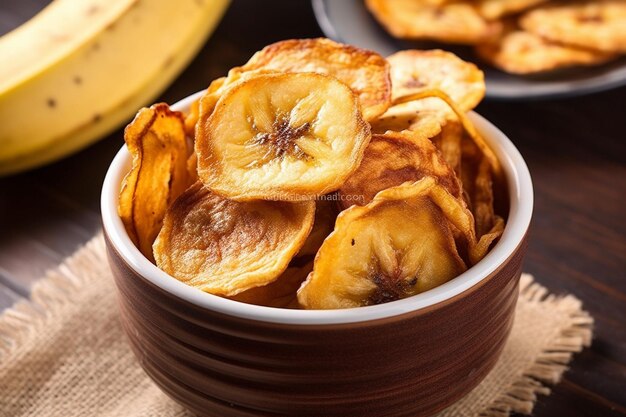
(409, 365)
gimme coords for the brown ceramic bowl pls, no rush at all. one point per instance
(407, 358)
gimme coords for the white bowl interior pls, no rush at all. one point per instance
(521, 205)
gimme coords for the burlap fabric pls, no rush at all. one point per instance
(63, 354)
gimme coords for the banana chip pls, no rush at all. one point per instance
(226, 247)
(455, 22)
(156, 140)
(449, 144)
(280, 293)
(483, 246)
(495, 9)
(398, 245)
(393, 159)
(467, 124)
(414, 71)
(280, 137)
(326, 212)
(598, 25)
(366, 72)
(521, 52)
(410, 118)
(477, 179)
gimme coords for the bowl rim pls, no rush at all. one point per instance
(520, 212)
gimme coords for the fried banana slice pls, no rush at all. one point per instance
(467, 124)
(192, 118)
(413, 71)
(225, 247)
(521, 52)
(410, 118)
(400, 244)
(448, 142)
(326, 212)
(596, 25)
(156, 140)
(418, 19)
(281, 136)
(496, 9)
(393, 159)
(280, 293)
(486, 242)
(366, 72)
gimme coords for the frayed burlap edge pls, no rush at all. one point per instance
(59, 286)
(48, 295)
(549, 366)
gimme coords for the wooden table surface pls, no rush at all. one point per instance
(576, 150)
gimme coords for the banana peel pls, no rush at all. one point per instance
(96, 64)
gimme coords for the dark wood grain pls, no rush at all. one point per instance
(576, 150)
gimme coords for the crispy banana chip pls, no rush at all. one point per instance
(449, 144)
(220, 86)
(477, 179)
(326, 212)
(156, 140)
(281, 136)
(226, 247)
(495, 9)
(455, 22)
(398, 245)
(467, 124)
(486, 242)
(413, 71)
(410, 118)
(598, 25)
(393, 159)
(280, 293)
(192, 118)
(366, 72)
(521, 52)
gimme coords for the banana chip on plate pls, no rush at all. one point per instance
(280, 293)
(393, 159)
(366, 72)
(454, 22)
(495, 9)
(226, 247)
(522, 52)
(156, 140)
(398, 245)
(281, 136)
(597, 25)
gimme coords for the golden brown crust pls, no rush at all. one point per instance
(598, 25)
(521, 52)
(457, 22)
(393, 159)
(156, 140)
(280, 293)
(366, 72)
(281, 137)
(225, 247)
(413, 71)
(496, 9)
(398, 245)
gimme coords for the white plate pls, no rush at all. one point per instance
(349, 21)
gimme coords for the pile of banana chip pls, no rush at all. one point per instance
(517, 36)
(318, 176)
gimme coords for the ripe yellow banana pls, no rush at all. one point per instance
(80, 68)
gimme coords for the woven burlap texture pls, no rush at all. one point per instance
(63, 352)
